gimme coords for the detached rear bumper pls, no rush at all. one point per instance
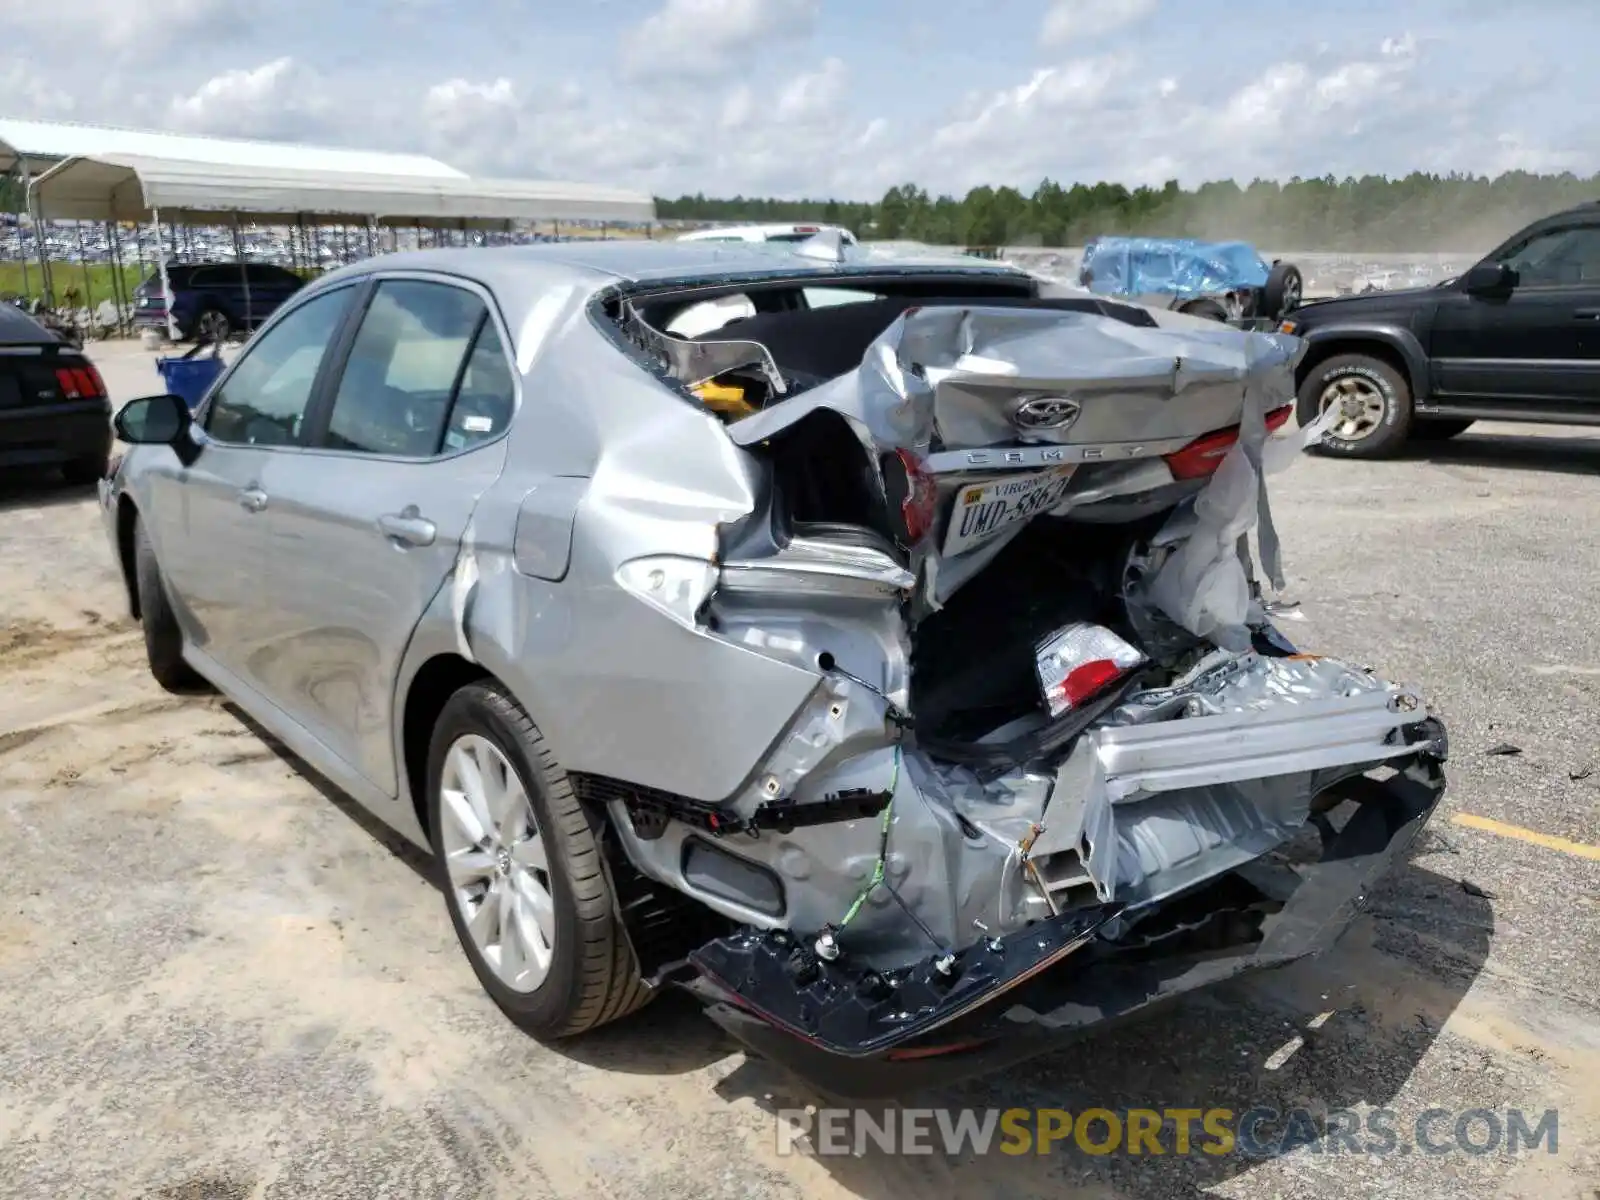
(1115, 976)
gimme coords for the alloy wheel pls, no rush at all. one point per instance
(497, 862)
(1361, 407)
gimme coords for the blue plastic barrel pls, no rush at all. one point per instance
(189, 377)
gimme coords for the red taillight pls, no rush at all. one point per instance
(1088, 680)
(912, 490)
(1205, 454)
(1080, 662)
(80, 383)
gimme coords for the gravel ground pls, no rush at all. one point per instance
(218, 979)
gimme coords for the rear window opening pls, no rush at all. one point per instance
(738, 350)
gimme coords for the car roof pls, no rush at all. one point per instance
(759, 231)
(600, 263)
(17, 328)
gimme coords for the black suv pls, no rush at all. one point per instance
(212, 300)
(1516, 338)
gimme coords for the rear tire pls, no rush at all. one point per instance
(590, 977)
(1438, 429)
(212, 326)
(163, 640)
(1283, 290)
(1376, 396)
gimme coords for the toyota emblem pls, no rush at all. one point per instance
(1046, 412)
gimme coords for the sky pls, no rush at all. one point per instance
(841, 98)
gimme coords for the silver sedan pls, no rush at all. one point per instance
(850, 637)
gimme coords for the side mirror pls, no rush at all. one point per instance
(152, 421)
(163, 420)
(1489, 278)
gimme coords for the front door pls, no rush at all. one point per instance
(1536, 346)
(366, 525)
(209, 518)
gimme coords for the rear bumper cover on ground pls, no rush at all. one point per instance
(1103, 982)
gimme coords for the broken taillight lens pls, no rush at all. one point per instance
(1078, 663)
(912, 494)
(80, 383)
(1205, 454)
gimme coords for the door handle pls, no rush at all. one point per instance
(252, 499)
(1586, 314)
(409, 527)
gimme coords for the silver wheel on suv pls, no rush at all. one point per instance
(1361, 407)
(1372, 398)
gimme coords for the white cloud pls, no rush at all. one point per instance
(688, 35)
(1353, 111)
(32, 91)
(1082, 20)
(129, 27)
(280, 99)
(813, 94)
(788, 133)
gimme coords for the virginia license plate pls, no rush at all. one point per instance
(979, 513)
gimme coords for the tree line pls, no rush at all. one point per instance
(1419, 212)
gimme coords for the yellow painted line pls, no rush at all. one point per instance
(1490, 825)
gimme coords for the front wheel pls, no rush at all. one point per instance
(522, 873)
(163, 640)
(1374, 403)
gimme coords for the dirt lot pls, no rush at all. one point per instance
(219, 980)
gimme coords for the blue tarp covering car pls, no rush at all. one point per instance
(1225, 280)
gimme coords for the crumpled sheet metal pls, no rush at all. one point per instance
(1182, 782)
(1120, 266)
(934, 354)
(936, 362)
(1205, 585)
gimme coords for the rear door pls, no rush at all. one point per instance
(269, 287)
(1536, 346)
(365, 526)
(207, 519)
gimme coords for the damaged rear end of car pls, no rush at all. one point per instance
(1043, 758)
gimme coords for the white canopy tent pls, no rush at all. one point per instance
(30, 148)
(135, 189)
(36, 146)
(125, 187)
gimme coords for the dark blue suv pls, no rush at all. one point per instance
(211, 300)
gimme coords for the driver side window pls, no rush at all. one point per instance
(395, 391)
(1560, 257)
(264, 401)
